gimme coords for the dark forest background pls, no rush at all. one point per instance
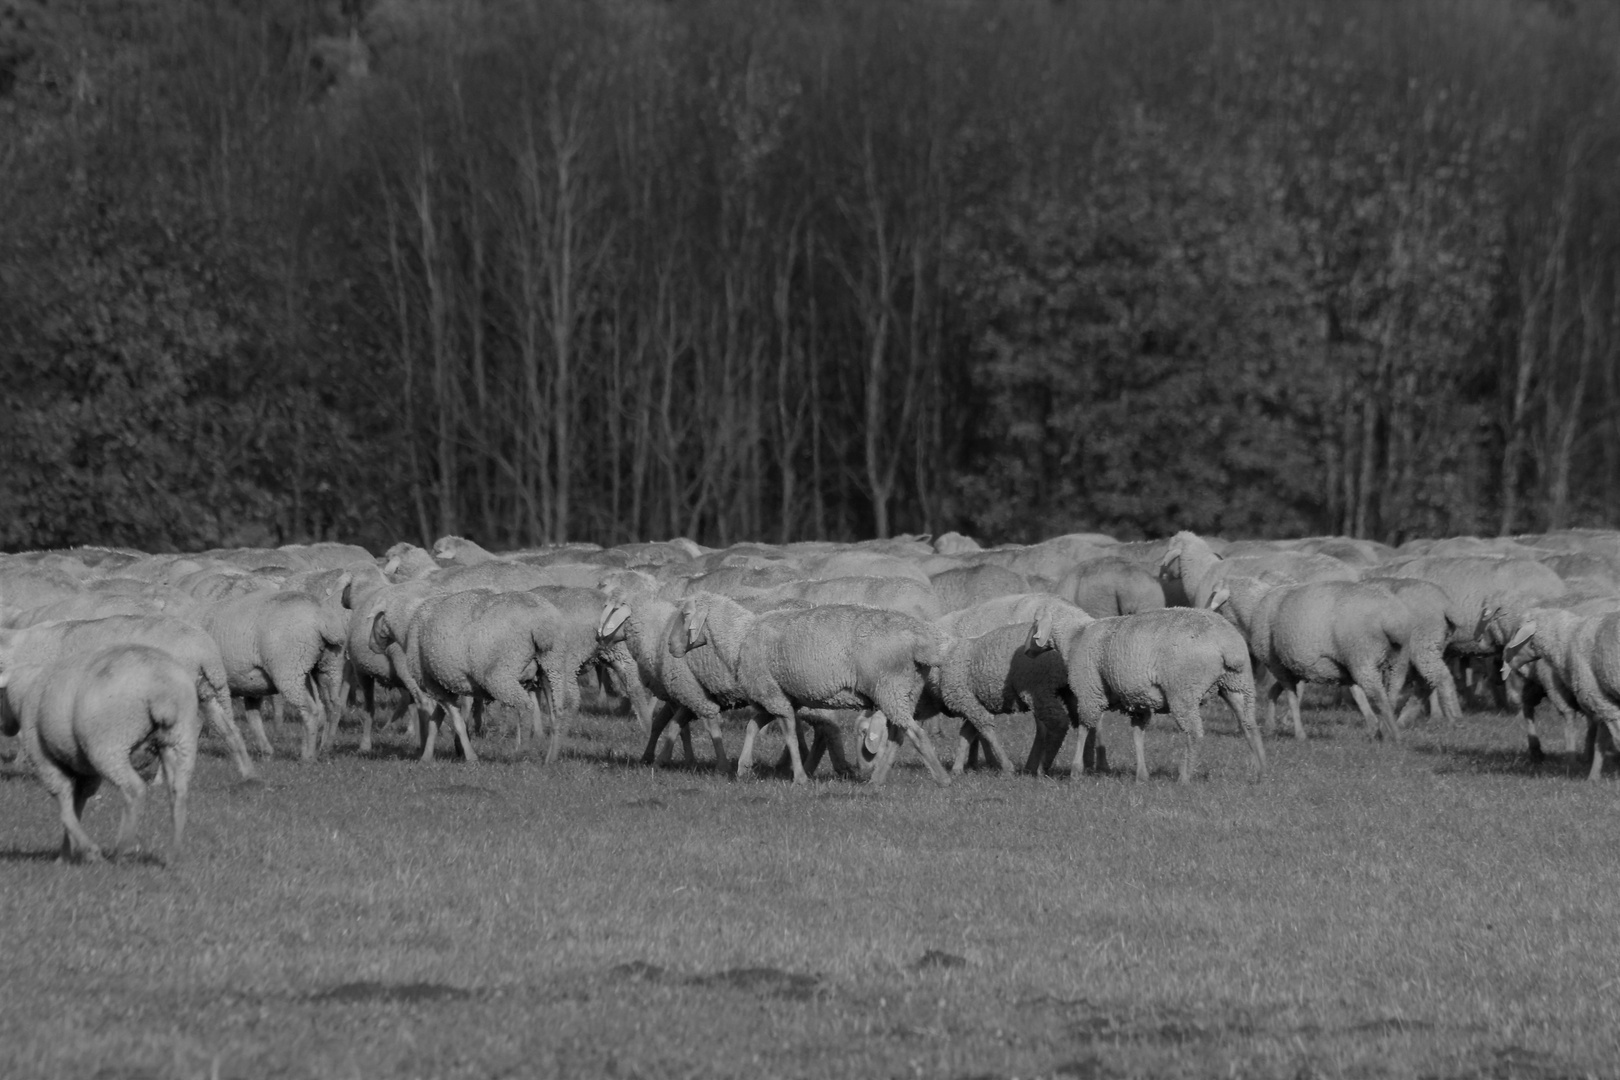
(533, 270)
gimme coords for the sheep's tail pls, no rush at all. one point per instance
(334, 626)
(1237, 673)
(929, 651)
(168, 707)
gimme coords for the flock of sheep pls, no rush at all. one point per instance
(111, 661)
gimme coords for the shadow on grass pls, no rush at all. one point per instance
(755, 981)
(1479, 761)
(49, 854)
(27, 855)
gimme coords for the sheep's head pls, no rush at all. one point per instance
(1491, 618)
(690, 629)
(1522, 648)
(610, 627)
(878, 743)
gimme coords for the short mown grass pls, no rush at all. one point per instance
(1436, 909)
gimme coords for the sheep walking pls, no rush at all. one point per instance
(1337, 632)
(993, 673)
(286, 643)
(1582, 654)
(487, 645)
(1191, 571)
(637, 616)
(1164, 661)
(841, 656)
(185, 642)
(82, 717)
(723, 625)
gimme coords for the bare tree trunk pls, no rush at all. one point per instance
(444, 386)
(1593, 325)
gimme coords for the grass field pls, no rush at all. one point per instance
(1439, 909)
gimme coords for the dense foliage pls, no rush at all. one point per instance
(534, 270)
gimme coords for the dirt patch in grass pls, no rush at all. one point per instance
(938, 958)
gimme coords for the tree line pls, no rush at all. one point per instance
(544, 270)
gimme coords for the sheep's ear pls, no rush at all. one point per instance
(613, 616)
(697, 627)
(391, 566)
(1524, 634)
(1221, 596)
(1040, 634)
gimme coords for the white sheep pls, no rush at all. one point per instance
(82, 716)
(1164, 661)
(286, 643)
(994, 674)
(1583, 653)
(1333, 632)
(838, 656)
(505, 647)
(45, 643)
(1191, 569)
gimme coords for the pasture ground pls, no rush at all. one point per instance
(1440, 909)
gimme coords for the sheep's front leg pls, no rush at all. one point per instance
(923, 744)
(661, 719)
(711, 722)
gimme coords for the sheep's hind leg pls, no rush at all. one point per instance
(993, 742)
(1077, 765)
(1139, 722)
(1190, 722)
(745, 756)
(1243, 706)
(427, 726)
(253, 710)
(72, 793)
(113, 764)
(460, 729)
(178, 761)
(1375, 711)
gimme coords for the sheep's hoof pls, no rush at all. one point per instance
(1536, 755)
